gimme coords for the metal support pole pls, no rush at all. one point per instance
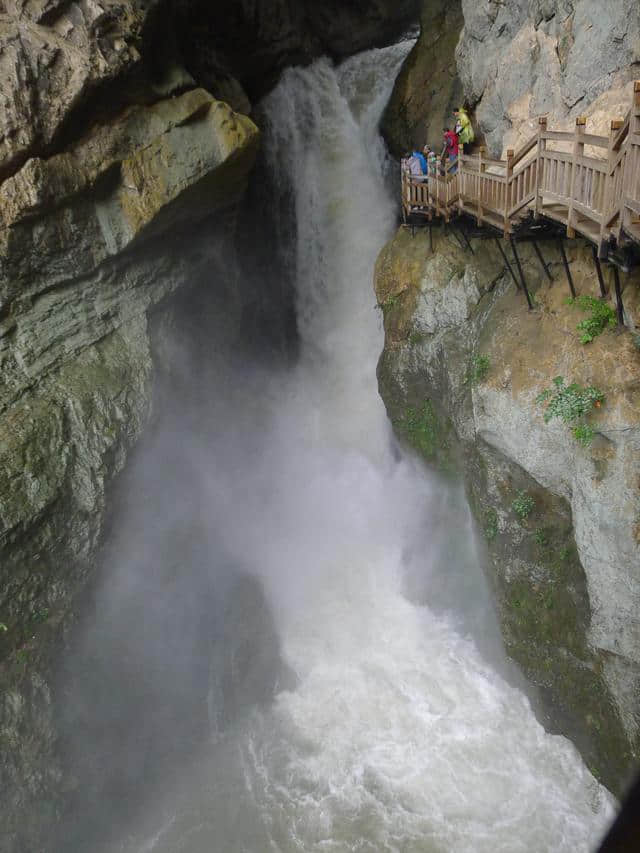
(524, 283)
(506, 260)
(619, 305)
(596, 261)
(466, 239)
(457, 238)
(566, 268)
(541, 259)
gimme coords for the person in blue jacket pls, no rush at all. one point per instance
(423, 161)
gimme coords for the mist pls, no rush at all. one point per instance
(291, 645)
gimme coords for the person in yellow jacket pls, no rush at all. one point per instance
(464, 128)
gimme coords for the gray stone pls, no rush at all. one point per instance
(428, 88)
(520, 60)
(566, 581)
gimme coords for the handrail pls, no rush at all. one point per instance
(597, 197)
(525, 149)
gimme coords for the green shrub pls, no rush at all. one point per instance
(523, 505)
(40, 615)
(541, 537)
(601, 315)
(490, 517)
(572, 404)
(478, 369)
(583, 434)
(420, 426)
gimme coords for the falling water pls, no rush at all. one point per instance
(393, 733)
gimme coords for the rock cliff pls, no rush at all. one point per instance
(465, 363)
(561, 58)
(428, 88)
(93, 242)
(125, 150)
(463, 366)
(512, 63)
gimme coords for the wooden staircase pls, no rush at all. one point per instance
(589, 184)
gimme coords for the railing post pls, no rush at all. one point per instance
(507, 194)
(542, 145)
(481, 169)
(609, 200)
(631, 185)
(578, 151)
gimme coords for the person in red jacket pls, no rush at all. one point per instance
(451, 146)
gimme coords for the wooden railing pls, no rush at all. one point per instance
(590, 184)
(432, 195)
(630, 215)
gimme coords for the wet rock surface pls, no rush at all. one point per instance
(559, 520)
(428, 88)
(125, 152)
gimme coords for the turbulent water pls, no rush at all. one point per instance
(392, 732)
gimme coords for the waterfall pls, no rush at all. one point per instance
(396, 734)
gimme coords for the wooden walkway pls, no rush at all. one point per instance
(586, 183)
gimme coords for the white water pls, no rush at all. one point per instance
(398, 735)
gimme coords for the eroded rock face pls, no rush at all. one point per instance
(428, 88)
(560, 521)
(124, 153)
(152, 172)
(63, 62)
(253, 41)
(560, 58)
(52, 56)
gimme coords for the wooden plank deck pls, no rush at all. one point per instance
(594, 194)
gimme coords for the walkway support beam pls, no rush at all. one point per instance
(544, 266)
(619, 305)
(506, 260)
(596, 261)
(566, 268)
(522, 279)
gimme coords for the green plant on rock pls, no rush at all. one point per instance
(583, 434)
(523, 505)
(541, 537)
(601, 315)
(478, 369)
(3, 627)
(490, 518)
(572, 404)
(391, 301)
(420, 426)
(40, 615)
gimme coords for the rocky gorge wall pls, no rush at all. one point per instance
(125, 154)
(512, 62)
(465, 362)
